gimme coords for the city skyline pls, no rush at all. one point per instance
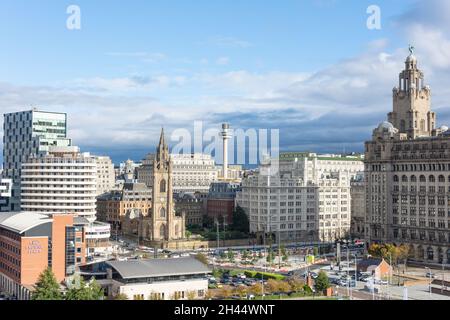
(286, 77)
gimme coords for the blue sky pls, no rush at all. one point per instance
(308, 67)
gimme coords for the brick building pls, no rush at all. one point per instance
(30, 242)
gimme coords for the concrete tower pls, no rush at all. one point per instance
(226, 135)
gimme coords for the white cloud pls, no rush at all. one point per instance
(222, 61)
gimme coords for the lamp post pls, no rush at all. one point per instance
(429, 273)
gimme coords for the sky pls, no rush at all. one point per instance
(310, 68)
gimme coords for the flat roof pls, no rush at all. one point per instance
(20, 222)
(158, 267)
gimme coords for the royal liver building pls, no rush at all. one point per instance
(407, 167)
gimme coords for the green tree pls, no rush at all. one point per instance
(230, 256)
(270, 256)
(47, 287)
(240, 220)
(80, 290)
(322, 282)
(208, 222)
(316, 251)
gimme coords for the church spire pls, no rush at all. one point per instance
(162, 152)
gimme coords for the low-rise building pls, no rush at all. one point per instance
(155, 279)
(114, 206)
(192, 205)
(221, 201)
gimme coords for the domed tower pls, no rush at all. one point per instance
(412, 102)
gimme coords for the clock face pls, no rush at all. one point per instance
(163, 199)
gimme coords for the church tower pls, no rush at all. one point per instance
(165, 225)
(412, 102)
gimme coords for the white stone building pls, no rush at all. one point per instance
(105, 174)
(64, 181)
(407, 173)
(191, 172)
(309, 199)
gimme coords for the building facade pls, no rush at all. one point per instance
(156, 279)
(63, 181)
(192, 205)
(130, 203)
(358, 206)
(191, 172)
(106, 180)
(221, 201)
(5, 191)
(407, 166)
(30, 242)
(28, 133)
(296, 206)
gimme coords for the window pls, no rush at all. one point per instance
(162, 213)
(162, 186)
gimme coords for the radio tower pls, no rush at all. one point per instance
(226, 135)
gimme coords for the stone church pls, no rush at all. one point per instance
(162, 227)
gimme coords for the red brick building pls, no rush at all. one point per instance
(30, 242)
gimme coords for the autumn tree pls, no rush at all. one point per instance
(296, 284)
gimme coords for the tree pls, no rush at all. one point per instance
(296, 284)
(316, 252)
(283, 286)
(80, 290)
(322, 282)
(121, 296)
(241, 291)
(225, 293)
(202, 258)
(208, 222)
(256, 289)
(188, 234)
(230, 256)
(270, 256)
(273, 285)
(191, 295)
(47, 287)
(240, 220)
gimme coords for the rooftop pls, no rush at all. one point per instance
(22, 221)
(158, 267)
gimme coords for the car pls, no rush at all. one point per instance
(241, 276)
(342, 283)
(430, 275)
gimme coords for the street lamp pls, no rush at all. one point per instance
(429, 273)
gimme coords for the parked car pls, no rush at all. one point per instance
(430, 275)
